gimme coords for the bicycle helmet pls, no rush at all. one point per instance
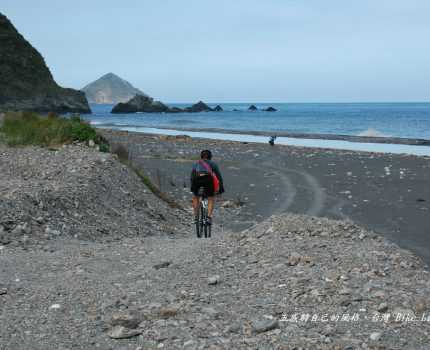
(206, 154)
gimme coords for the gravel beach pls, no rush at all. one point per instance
(91, 259)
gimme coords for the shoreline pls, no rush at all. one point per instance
(322, 144)
(307, 136)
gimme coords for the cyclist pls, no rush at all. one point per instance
(201, 176)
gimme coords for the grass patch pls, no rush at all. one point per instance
(28, 128)
(124, 157)
(155, 190)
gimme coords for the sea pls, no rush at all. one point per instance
(402, 120)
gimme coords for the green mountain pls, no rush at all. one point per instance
(26, 83)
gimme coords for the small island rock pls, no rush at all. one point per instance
(270, 109)
(140, 103)
(199, 107)
(146, 104)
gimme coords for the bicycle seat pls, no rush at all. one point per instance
(201, 192)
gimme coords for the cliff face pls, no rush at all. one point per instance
(26, 82)
(110, 89)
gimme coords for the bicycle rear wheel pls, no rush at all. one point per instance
(205, 221)
(209, 230)
(199, 223)
(202, 219)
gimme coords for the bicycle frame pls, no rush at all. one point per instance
(202, 224)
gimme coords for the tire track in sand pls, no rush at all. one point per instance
(314, 207)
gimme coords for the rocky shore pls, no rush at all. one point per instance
(91, 259)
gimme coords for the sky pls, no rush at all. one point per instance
(237, 50)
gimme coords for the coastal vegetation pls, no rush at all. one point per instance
(29, 128)
(124, 157)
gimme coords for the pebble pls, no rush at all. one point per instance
(120, 332)
(52, 232)
(212, 280)
(162, 265)
(375, 336)
(345, 291)
(264, 325)
(383, 307)
(166, 312)
(127, 319)
(294, 259)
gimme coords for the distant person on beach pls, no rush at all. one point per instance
(272, 140)
(202, 176)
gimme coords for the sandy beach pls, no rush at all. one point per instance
(386, 193)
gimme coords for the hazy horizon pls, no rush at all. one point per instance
(276, 51)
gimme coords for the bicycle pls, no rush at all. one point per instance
(202, 226)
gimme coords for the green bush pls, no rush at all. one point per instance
(27, 128)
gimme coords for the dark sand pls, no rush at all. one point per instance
(389, 194)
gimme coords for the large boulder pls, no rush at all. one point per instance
(141, 103)
(199, 107)
(218, 109)
(26, 83)
(252, 108)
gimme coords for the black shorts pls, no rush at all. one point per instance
(204, 182)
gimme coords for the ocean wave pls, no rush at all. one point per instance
(371, 132)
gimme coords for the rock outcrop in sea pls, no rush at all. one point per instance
(218, 108)
(252, 108)
(140, 103)
(270, 109)
(198, 107)
(26, 82)
(110, 89)
(146, 104)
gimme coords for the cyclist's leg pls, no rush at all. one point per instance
(196, 204)
(211, 202)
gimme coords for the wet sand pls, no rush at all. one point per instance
(306, 136)
(386, 193)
